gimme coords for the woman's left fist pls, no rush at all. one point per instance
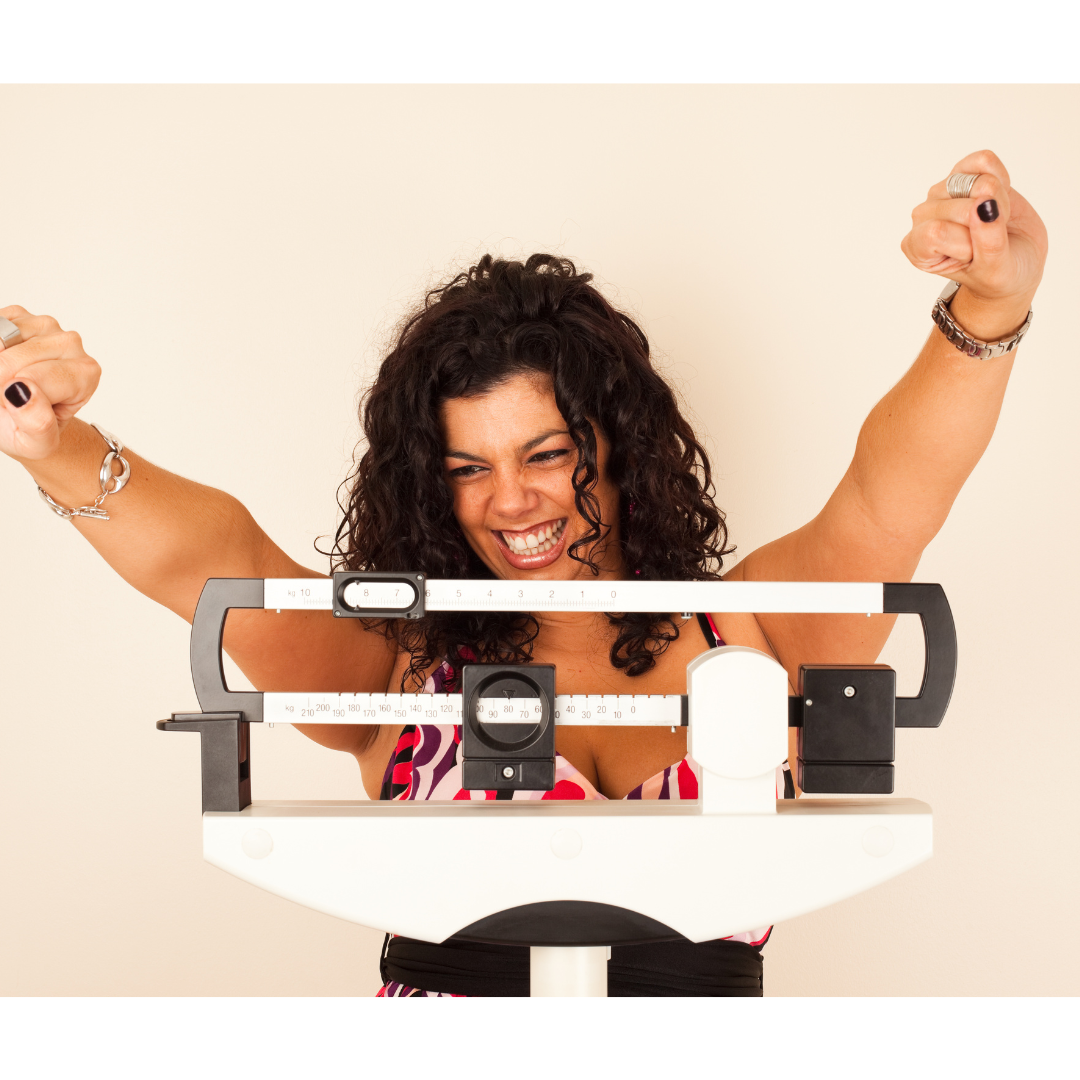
(992, 242)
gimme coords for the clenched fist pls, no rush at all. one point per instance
(46, 379)
(993, 243)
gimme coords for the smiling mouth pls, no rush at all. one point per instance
(532, 548)
(535, 541)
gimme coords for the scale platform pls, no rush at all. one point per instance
(485, 863)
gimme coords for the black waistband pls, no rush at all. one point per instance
(660, 969)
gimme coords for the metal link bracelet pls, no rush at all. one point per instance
(106, 477)
(981, 350)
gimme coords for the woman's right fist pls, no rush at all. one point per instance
(46, 379)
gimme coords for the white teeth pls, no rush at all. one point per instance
(535, 543)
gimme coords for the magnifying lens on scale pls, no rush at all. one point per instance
(508, 711)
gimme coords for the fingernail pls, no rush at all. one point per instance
(18, 394)
(988, 210)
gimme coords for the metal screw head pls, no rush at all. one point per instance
(849, 691)
(508, 772)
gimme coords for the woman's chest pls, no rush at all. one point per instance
(617, 759)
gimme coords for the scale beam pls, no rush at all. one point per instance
(593, 710)
(390, 597)
(829, 761)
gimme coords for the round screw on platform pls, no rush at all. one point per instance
(508, 772)
(849, 691)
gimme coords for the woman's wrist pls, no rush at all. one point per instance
(70, 473)
(990, 319)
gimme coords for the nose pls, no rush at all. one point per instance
(514, 498)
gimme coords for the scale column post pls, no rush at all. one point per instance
(738, 712)
(572, 971)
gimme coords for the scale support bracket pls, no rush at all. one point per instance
(847, 715)
(225, 745)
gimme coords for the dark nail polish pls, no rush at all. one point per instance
(18, 394)
(988, 210)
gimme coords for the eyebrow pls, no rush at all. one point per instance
(523, 449)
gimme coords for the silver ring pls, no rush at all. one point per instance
(959, 185)
(10, 334)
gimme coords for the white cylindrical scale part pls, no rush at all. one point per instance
(738, 711)
(578, 971)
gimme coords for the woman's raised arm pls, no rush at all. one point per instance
(921, 441)
(167, 535)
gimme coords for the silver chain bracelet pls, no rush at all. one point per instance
(111, 482)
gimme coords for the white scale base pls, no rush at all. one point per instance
(705, 875)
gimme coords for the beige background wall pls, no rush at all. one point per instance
(235, 256)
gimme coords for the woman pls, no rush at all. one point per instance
(518, 430)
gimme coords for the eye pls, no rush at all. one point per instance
(548, 455)
(463, 472)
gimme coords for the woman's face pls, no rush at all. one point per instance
(509, 461)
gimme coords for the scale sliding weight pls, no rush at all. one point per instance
(571, 878)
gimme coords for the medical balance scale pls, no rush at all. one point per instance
(569, 879)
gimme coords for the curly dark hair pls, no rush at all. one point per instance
(495, 321)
